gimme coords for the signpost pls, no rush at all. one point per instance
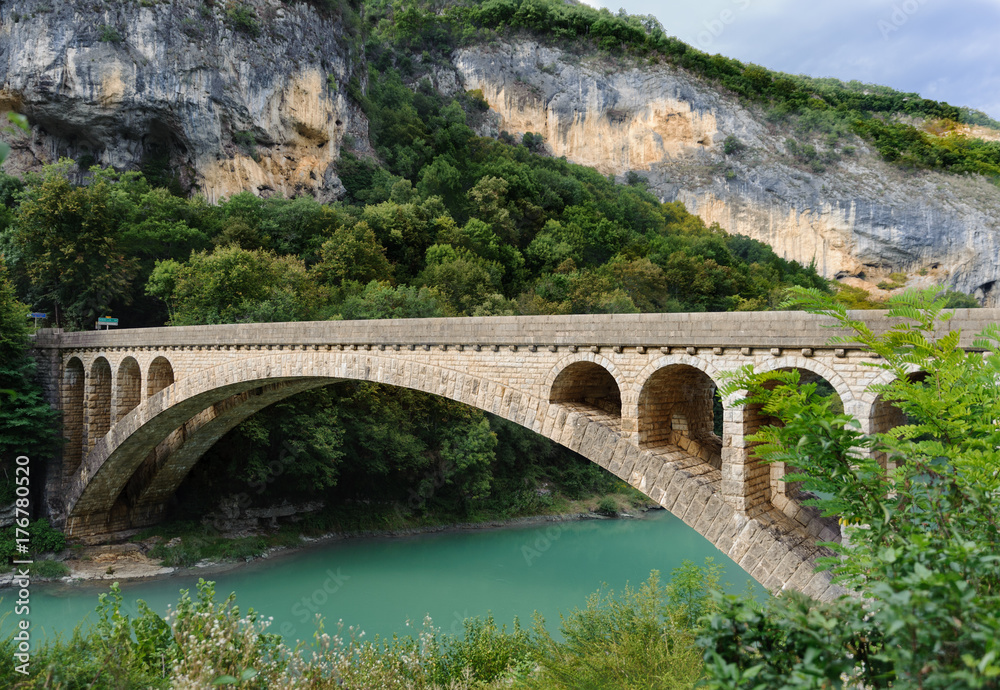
(106, 321)
(36, 315)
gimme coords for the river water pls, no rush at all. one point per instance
(378, 584)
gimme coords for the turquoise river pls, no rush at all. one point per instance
(378, 584)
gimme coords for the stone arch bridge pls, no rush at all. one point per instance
(633, 393)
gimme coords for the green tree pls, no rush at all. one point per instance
(353, 253)
(379, 300)
(231, 285)
(923, 537)
(489, 199)
(463, 278)
(28, 425)
(67, 242)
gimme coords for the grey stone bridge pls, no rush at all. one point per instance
(633, 393)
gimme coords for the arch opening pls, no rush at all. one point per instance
(588, 385)
(128, 387)
(161, 375)
(787, 496)
(885, 416)
(98, 401)
(678, 406)
(151, 487)
(73, 415)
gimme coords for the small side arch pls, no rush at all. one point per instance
(98, 401)
(881, 413)
(161, 375)
(870, 395)
(676, 406)
(588, 383)
(814, 367)
(128, 387)
(770, 478)
(73, 382)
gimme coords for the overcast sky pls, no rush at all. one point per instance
(948, 50)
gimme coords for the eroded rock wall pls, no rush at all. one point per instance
(858, 218)
(181, 85)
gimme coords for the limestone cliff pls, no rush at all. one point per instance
(859, 218)
(184, 85)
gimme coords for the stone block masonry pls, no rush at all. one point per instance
(636, 394)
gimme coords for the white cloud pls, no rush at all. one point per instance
(944, 49)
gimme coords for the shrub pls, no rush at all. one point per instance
(608, 506)
(924, 569)
(732, 146)
(109, 34)
(243, 18)
(485, 652)
(477, 100)
(46, 568)
(638, 639)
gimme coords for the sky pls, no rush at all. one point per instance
(947, 50)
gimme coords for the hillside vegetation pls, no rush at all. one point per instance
(879, 114)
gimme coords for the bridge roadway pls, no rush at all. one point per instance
(633, 393)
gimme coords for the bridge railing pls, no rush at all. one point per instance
(784, 329)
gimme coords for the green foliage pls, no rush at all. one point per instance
(243, 18)
(231, 284)
(17, 120)
(484, 652)
(201, 544)
(903, 143)
(638, 639)
(794, 642)
(47, 568)
(44, 539)
(732, 145)
(607, 506)
(109, 34)
(247, 141)
(66, 241)
(353, 253)
(379, 300)
(28, 425)
(922, 530)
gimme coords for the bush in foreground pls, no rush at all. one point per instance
(923, 561)
(640, 638)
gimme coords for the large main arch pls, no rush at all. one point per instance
(144, 456)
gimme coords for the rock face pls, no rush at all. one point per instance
(182, 85)
(859, 218)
